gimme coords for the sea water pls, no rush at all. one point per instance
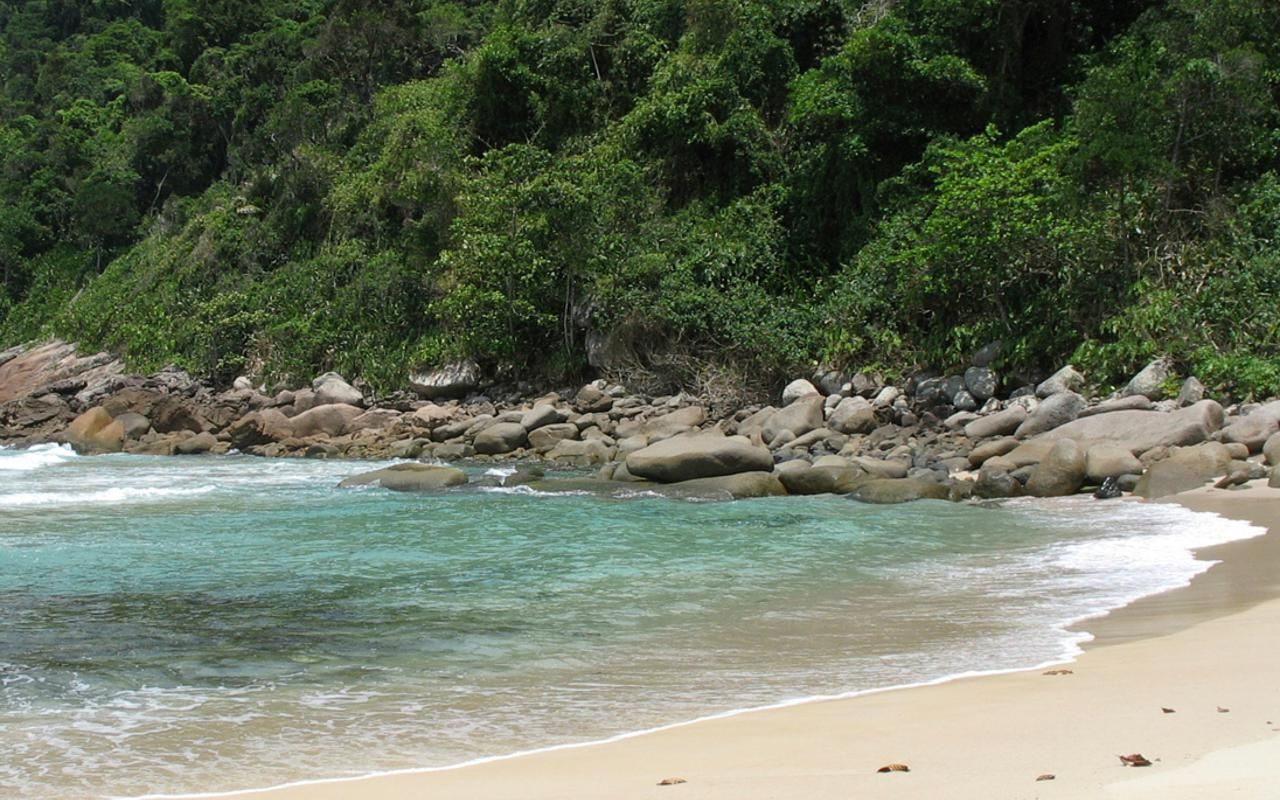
(172, 625)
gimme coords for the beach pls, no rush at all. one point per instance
(1206, 653)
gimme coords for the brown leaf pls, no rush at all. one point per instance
(894, 768)
(1135, 760)
(1059, 672)
(1222, 710)
(671, 781)
(1167, 710)
(1048, 776)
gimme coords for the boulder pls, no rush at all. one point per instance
(375, 419)
(853, 415)
(991, 449)
(808, 480)
(541, 414)
(326, 420)
(797, 389)
(1140, 431)
(1109, 460)
(453, 380)
(729, 487)
(1186, 468)
(1057, 409)
(987, 354)
(831, 381)
(1064, 380)
(704, 455)
(258, 428)
(980, 382)
(95, 431)
(899, 490)
(1136, 402)
(1192, 392)
(886, 396)
(1061, 472)
(172, 414)
(545, 437)
(410, 477)
(963, 401)
(754, 424)
(332, 388)
(664, 426)
(135, 425)
(1001, 423)
(879, 467)
(1271, 449)
(800, 417)
(994, 482)
(1254, 428)
(1029, 452)
(501, 437)
(581, 453)
(1150, 381)
(203, 442)
(591, 400)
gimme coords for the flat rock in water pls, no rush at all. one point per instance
(728, 487)
(409, 478)
(702, 455)
(899, 490)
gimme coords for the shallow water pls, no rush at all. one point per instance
(192, 624)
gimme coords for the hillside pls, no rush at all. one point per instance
(699, 193)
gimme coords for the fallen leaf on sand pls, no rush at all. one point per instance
(1059, 672)
(1135, 760)
(671, 781)
(1048, 776)
(1167, 710)
(894, 768)
(1222, 710)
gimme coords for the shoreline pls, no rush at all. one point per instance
(968, 735)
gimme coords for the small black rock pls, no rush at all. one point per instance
(1110, 488)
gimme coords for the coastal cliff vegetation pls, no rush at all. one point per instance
(675, 191)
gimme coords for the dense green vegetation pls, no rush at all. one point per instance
(695, 191)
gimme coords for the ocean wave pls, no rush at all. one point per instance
(116, 495)
(41, 455)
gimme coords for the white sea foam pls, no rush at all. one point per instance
(116, 495)
(41, 455)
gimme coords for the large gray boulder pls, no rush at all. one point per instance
(1057, 409)
(1186, 468)
(899, 490)
(1150, 381)
(728, 487)
(1139, 431)
(981, 383)
(259, 428)
(797, 389)
(1064, 380)
(800, 417)
(822, 480)
(990, 449)
(1253, 429)
(1001, 423)
(1134, 402)
(754, 424)
(409, 478)
(548, 436)
(853, 415)
(451, 380)
(1271, 449)
(328, 420)
(664, 426)
(499, 438)
(333, 388)
(1060, 473)
(1109, 460)
(585, 453)
(703, 455)
(541, 414)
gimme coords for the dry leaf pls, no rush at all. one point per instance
(1135, 760)
(1222, 710)
(1048, 776)
(1059, 672)
(671, 781)
(1167, 710)
(894, 768)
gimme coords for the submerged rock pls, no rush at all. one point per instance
(409, 478)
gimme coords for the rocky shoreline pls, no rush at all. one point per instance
(946, 437)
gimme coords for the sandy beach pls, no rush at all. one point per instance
(1208, 653)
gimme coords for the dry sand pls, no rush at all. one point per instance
(1209, 652)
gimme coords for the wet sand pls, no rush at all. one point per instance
(1208, 652)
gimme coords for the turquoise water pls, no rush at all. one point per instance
(195, 624)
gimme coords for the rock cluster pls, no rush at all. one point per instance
(940, 436)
